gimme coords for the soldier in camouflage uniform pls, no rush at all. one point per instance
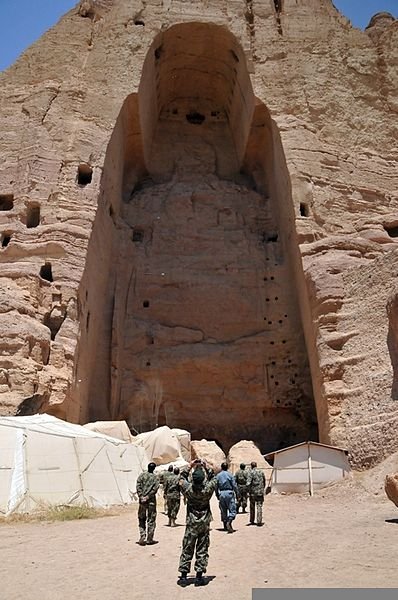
(163, 477)
(147, 486)
(256, 486)
(197, 531)
(173, 491)
(241, 482)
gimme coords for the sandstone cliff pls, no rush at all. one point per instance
(198, 215)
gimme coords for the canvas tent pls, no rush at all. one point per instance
(307, 466)
(44, 460)
(116, 429)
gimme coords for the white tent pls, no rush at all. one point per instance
(307, 466)
(44, 460)
(115, 429)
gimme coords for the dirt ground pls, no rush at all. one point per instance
(345, 536)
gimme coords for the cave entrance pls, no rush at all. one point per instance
(205, 332)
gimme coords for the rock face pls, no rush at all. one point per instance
(391, 488)
(198, 221)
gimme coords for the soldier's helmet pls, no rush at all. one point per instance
(170, 468)
(253, 464)
(242, 466)
(151, 467)
(176, 471)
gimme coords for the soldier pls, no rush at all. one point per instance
(197, 531)
(163, 478)
(256, 486)
(172, 490)
(147, 486)
(226, 492)
(241, 482)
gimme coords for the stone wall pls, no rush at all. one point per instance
(300, 120)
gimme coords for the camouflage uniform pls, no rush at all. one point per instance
(172, 490)
(163, 479)
(147, 486)
(256, 487)
(241, 481)
(197, 531)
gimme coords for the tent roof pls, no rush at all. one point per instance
(52, 426)
(272, 454)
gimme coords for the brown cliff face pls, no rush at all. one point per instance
(197, 224)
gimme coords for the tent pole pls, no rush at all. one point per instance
(310, 470)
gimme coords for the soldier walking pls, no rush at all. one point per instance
(226, 492)
(172, 490)
(147, 486)
(197, 531)
(256, 486)
(163, 479)
(241, 482)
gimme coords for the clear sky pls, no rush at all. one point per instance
(23, 21)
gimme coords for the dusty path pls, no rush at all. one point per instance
(342, 539)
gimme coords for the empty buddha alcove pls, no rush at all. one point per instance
(191, 271)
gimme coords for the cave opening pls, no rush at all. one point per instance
(211, 195)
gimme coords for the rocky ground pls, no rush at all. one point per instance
(345, 536)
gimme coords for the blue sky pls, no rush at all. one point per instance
(23, 21)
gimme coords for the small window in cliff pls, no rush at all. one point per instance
(145, 304)
(304, 211)
(272, 237)
(46, 272)
(392, 231)
(195, 118)
(6, 201)
(84, 174)
(5, 239)
(138, 235)
(33, 215)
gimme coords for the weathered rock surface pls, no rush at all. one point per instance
(391, 488)
(198, 227)
(208, 451)
(245, 452)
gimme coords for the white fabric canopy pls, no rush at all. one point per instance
(44, 460)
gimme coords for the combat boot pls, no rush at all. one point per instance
(199, 579)
(142, 541)
(150, 541)
(169, 524)
(225, 526)
(173, 523)
(183, 580)
(229, 527)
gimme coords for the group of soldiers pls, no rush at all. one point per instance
(197, 483)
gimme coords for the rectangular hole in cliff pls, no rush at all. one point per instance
(391, 230)
(33, 216)
(304, 210)
(46, 272)
(145, 304)
(84, 174)
(5, 239)
(138, 235)
(6, 201)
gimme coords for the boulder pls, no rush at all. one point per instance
(246, 451)
(391, 488)
(208, 451)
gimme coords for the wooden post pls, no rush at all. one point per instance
(310, 470)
